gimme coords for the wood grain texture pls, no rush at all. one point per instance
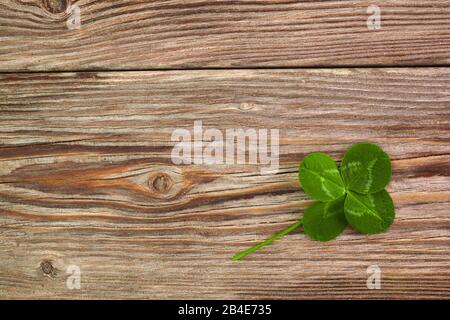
(138, 34)
(86, 179)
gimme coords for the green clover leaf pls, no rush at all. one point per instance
(366, 168)
(324, 221)
(370, 213)
(354, 195)
(320, 177)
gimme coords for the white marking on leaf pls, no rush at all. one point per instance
(369, 174)
(371, 200)
(330, 171)
(354, 212)
(325, 189)
(351, 165)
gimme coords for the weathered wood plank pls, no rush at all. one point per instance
(86, 179)
(139, 35)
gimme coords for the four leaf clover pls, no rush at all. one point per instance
(352, 194)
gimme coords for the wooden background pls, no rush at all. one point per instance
(86, 118)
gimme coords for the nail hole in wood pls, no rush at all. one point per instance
(47, 268)
(55, 6)
(161, 183)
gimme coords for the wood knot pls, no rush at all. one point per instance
(47, 268)
(161, 183)
(55, 6)
(246, 106)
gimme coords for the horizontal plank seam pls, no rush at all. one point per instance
(393, 66)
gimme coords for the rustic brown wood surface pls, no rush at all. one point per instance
(86, 179)
(139, 34)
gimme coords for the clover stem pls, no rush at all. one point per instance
(289, 229)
